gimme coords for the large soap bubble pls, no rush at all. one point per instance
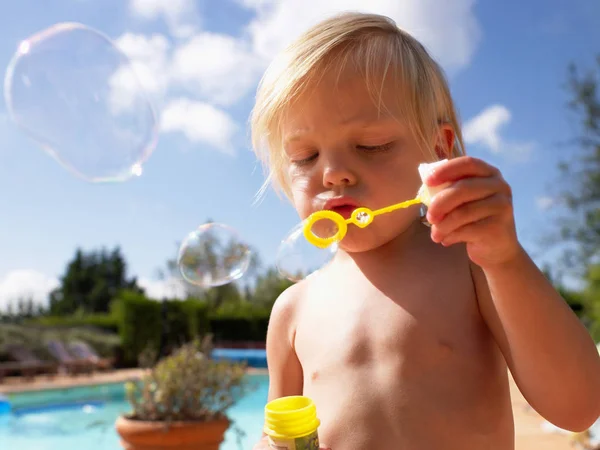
(75, 93)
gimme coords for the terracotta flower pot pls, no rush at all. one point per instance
(142, 435)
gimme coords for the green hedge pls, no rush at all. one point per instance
(239, 329)
(143, 323)
(197, 314)
(139, 325)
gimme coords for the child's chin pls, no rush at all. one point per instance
(368, 239)
(352, 244)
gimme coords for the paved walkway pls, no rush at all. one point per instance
(529, 433)
(16, 384)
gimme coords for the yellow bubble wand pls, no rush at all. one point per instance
(363, 217)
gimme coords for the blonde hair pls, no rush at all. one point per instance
(379, 50)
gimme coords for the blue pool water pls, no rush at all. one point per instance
(253, 357)
(84, 417)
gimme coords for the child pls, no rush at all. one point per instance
(403, 341)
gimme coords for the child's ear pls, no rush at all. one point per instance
(444, 145)
(441, 154)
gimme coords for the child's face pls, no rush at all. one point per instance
(341, 146)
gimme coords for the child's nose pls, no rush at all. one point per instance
(338, 175)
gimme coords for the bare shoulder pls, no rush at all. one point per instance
(284, 314)
(458, 257)
(451, 264)
(465, 273)
(285, 306)
(460, 286)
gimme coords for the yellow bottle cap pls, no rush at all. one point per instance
(291, 417)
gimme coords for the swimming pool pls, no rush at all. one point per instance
(252, 357)
(83, 418)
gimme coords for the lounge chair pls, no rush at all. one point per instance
(25, 363)
(25, 370)
(83, 351)
(73, 365)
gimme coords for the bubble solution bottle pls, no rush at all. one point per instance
(291, 423)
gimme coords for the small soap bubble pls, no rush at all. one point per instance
(213, 255)
(71, 90)
(297, 258)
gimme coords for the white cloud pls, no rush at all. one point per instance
(485, 130)
(172, 288)
(149, 57)
(219, 67)
(545, 202)
(448, 29)
(223, 68)
(200, 122)
(25, 283)
(179, 15)
(146, 77)
(206, 64)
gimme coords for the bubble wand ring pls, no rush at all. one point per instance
(361, 217)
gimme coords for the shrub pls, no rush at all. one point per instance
(188, 385)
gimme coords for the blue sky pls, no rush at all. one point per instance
(506, 63)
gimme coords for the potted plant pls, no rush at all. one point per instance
(181, 402)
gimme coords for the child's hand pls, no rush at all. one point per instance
(476, 209)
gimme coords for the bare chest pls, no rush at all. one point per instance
(410, 326)
(403, 362)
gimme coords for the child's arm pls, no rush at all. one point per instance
(549, 352)
(285, 371)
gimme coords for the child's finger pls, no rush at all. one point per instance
(470, 212)
(458, 168)
(466, 232)
(461, 192)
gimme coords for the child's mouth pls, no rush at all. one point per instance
(344, 210)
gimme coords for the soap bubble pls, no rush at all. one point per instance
(297, 258)
(75, 93)
(213, 255)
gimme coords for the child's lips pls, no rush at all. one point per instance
(344, 210)
(344, 206)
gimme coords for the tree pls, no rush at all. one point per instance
(268, 287)
(91, 281)
(591, 298)
(581, 229)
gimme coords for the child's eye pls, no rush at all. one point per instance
(301, 162)
(375, 148)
